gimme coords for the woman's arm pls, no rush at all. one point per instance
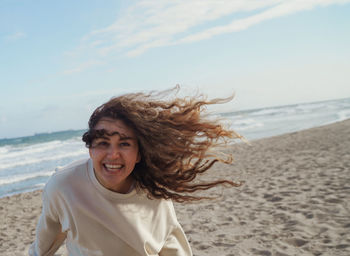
(49, 236)
(176, 244)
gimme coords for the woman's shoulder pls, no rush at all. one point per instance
(72, 165)
(66, 175)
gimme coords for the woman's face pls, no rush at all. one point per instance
(114, 154)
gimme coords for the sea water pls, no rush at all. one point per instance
(272, 121)
(27, 163)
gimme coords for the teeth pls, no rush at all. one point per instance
(112, 166)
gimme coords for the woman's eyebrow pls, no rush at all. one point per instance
(127, 138)
(103, 133)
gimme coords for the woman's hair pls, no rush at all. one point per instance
(176, 141)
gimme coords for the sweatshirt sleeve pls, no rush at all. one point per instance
(176, 244)
(49, 236)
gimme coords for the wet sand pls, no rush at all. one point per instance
(295, 201)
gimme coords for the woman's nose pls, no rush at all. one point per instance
(114, 152)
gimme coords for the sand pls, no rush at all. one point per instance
(296, 201)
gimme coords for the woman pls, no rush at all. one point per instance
(144, 152)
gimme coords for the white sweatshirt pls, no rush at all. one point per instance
(97, 221)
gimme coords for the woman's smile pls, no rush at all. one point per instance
(113, 167)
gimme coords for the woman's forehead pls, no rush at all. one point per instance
(112, 127)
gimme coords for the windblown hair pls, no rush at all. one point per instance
(176, 141)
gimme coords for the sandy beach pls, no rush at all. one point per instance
(295, 201)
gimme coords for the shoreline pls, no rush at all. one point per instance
(293, 201)
(230, 144)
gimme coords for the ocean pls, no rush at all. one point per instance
(26, 163)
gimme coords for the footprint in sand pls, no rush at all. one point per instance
(261, 252)
(297, 242)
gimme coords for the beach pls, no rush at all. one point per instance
(295, 201)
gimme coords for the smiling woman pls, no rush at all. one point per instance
(144, 151)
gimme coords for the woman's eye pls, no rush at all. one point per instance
(101, 144)
(124, 144)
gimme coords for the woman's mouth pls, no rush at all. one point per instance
(113, 167)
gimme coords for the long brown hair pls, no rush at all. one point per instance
(176, 141)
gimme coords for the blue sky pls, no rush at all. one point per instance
(59, 60)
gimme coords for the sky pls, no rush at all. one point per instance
(59, 60)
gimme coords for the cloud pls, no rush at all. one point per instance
(282, 9)
(151, 24)
(15, 36)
